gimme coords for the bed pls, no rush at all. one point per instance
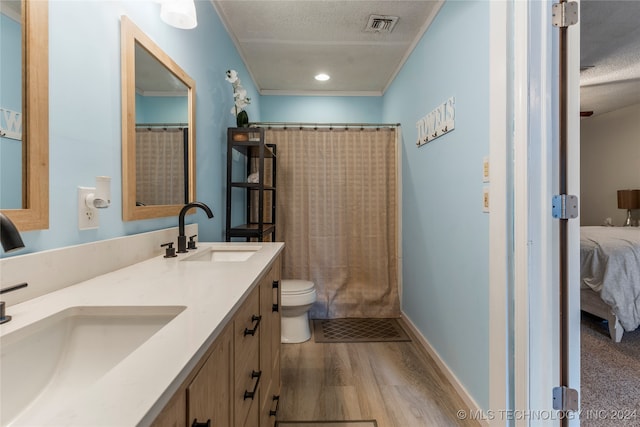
(610, 276)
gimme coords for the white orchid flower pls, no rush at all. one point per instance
(232, 76)
(240, 93)
(241, 103)
(240, 98)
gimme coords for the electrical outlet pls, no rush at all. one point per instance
(87, 217)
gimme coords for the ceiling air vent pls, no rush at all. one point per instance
(381, 24)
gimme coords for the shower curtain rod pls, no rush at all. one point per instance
(324, 125)
(162, 125)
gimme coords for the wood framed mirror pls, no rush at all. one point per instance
(32, 212)
(158, 129)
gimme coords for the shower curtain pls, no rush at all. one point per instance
(160, 169)
(337, 214)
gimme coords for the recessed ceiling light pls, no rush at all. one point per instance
(322, 77)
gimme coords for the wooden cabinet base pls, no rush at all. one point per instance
(225, 388)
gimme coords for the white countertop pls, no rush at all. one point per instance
(134, 392)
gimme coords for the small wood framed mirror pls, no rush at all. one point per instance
(25, 136)
(158, 129)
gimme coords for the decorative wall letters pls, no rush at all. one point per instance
(437, 123)
(10, 124)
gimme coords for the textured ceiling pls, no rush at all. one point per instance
(286, 43)
(610, 42)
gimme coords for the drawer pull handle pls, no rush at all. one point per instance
(197, 424)
(276, 307)
(251, 394)
(252, 332)
(274, 412)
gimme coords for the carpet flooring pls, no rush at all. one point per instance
(610, 376)
(327, 424)
(358, 330)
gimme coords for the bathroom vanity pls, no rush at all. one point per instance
(237, 381)
(182, 341)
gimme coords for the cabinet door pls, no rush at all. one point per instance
(266, 310)
(275, 327)
(270, 343)
(174, 413)
(209, 396)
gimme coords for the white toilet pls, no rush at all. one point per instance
(297, 297)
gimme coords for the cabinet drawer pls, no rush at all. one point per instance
(253, 417)
(247, 325)
(247, 395)
(269, 412)
(275, 382)
(208, 394)
(247, 329)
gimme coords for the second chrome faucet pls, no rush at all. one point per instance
(182, 238)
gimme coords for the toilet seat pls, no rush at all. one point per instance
(297, 287)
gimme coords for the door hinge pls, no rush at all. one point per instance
(565, 206)
(564, 14)
(565, 399)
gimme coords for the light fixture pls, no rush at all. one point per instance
(179, 13)
(322, 77)
(628, 199)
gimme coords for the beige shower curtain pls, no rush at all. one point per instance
(337, 214)
(160, 166)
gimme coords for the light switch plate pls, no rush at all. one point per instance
(87, 217)
(485, 169)
(485, 199)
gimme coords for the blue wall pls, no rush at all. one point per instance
(321, 109)
(10, 99)
(445, 238)
(445, 234)
(162, 109)
(85, 112)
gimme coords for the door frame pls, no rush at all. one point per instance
(536, 235)
(500, 236)
(524, 238)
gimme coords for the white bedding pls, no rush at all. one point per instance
(610, 265)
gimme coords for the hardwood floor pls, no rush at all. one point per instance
(391, 382)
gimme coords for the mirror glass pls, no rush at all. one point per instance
(24, 112)
(11, 105)
(158, 132)
(162, 133)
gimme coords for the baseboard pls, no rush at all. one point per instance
(428, 349)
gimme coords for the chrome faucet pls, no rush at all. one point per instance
(182, 238)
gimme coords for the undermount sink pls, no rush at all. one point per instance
(226, 254)
(46, 362)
